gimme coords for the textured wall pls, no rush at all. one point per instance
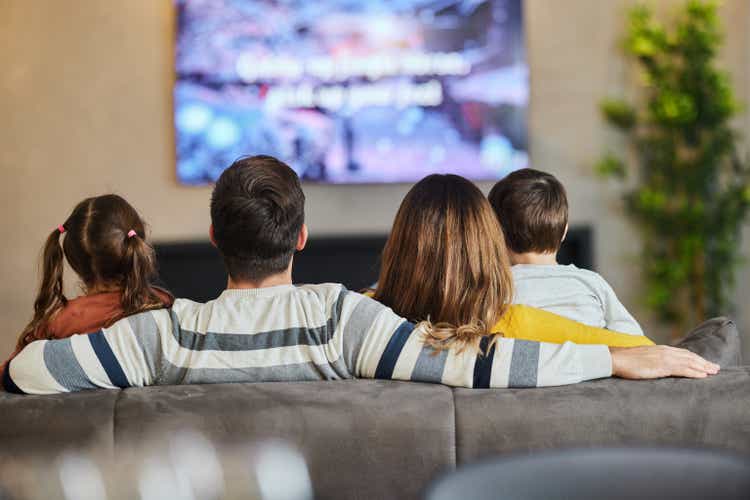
(86, 105)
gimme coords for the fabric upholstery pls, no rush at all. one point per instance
(42, 425)
(717, 340)
(611, 412)
(362, 439)
(383, 439)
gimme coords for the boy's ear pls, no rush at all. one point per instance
(211, 235)
(565, 234)
(302, 238)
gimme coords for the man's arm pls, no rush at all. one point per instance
(123, 355)
(379, 344)
(658, 361)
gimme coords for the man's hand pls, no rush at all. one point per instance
(659, 361)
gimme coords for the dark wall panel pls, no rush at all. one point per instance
(194, 270)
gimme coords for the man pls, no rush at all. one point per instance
(263, 328)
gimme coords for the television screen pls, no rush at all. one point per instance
(350, 91)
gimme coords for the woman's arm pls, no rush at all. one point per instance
(528, 323)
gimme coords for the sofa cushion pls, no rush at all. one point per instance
(45, 425)
(362, 439)
(717, 340)
(707, 412)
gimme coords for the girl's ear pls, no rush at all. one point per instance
(211, 235)
(565, 234)
(302, 238)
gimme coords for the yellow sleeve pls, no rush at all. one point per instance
(528, 323)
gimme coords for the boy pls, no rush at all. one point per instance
(532, 208)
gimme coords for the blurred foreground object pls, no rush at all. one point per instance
(594, 474)
(178, 466)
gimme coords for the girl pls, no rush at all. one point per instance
(446, 264)
(104, 242)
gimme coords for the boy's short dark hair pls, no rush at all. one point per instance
(257, 212)
(532, 208)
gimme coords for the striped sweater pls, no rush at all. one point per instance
(285, 333)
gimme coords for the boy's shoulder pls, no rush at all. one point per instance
(549, 269)
(552, 271)
(587, 275)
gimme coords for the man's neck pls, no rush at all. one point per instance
(279, 279)
(533, 258)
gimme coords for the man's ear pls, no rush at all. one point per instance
(565, 234)
(211, 235)
(302, 238)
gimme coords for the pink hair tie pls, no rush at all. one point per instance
(61, 228)
(131, 233)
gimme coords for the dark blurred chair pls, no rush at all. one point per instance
(597, 474)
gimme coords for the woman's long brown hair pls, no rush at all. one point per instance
(97, 246)
(445, 264)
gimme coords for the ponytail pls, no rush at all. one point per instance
(50, 298)
(140, 263)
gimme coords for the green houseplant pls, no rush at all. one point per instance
(689, 189)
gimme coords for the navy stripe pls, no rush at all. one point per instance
(8, 383)
(108, 360)
(483, 364)
(388, 360)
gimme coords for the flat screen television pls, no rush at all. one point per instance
(350, 91)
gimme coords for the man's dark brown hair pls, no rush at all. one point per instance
(257, 212)
(532, 208)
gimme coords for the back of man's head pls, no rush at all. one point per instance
(532, 208)
(257, 212)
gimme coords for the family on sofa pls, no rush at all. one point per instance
(449, 308)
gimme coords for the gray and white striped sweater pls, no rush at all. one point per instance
(285, 333)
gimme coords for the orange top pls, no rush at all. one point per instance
(86, 314)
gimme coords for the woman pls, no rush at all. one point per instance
(446, 265)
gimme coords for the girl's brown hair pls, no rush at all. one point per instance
(445, 264)
(100, 248)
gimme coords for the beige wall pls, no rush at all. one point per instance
(86, 105)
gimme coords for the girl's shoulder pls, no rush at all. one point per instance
(85, 314)
(89, 313)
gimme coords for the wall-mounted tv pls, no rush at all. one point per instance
(350, 91)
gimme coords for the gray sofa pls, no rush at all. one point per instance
(378, 439)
